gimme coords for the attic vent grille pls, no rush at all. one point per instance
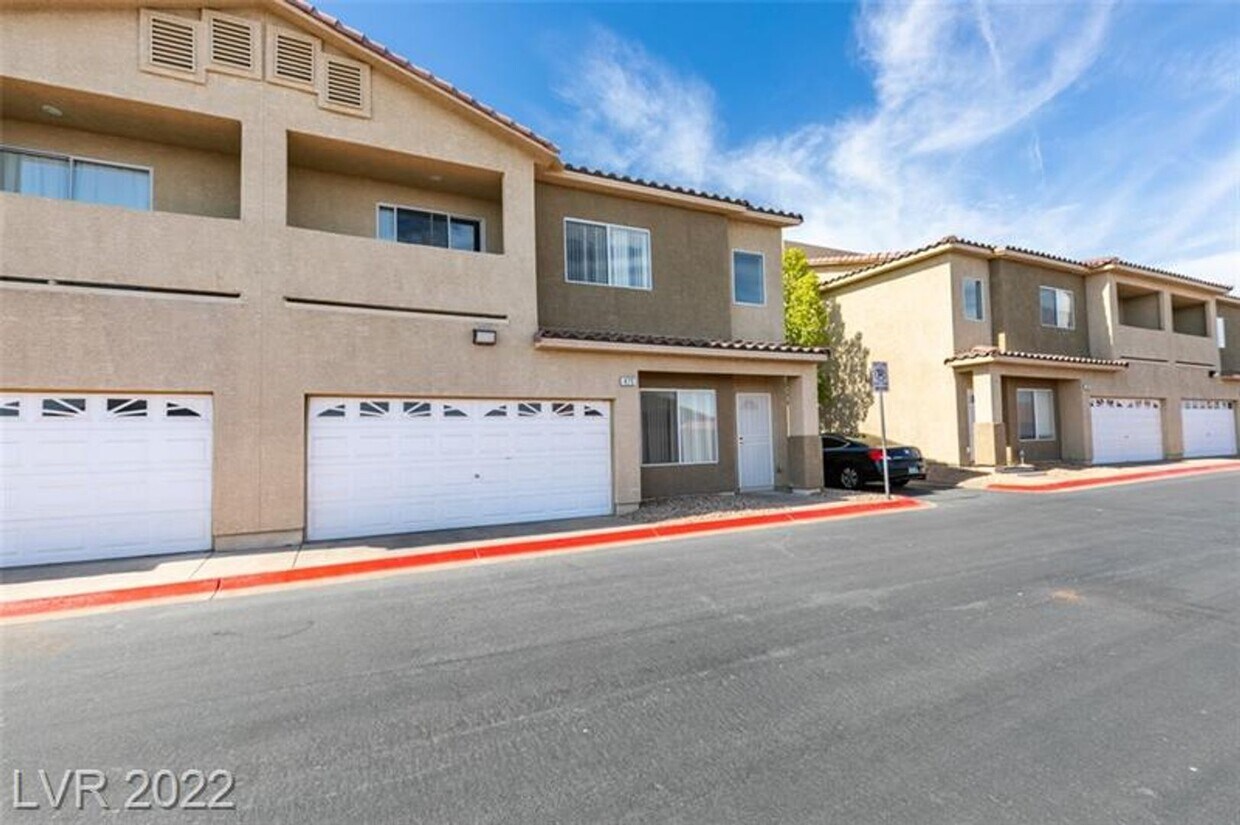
(173, 44)
(232, 43)
(294, 59)
(344, 84)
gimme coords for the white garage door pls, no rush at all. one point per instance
(103, 476)
(1209, 428)
(1126, 429)
(378, 466)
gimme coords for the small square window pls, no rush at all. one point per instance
(1056, 307)
(748, 277)
(973, 307)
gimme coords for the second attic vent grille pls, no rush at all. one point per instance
(232, 43)
(343, 85)
(294, 59)
(173, 45)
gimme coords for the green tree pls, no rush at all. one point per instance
(844, 395)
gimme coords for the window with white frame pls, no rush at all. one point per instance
(66, 177)
(748, 277)
(1220, 331)
(679, 427)
(602, 253)
(1057, 308)
(973, 307)
(1035, 415)
(427, 228)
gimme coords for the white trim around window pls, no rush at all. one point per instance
(450, 216)
(647, 274)
(972, 288)
(1063, 305)
(761, 277)
(72, 160)
(1041, 403)
(692, 450)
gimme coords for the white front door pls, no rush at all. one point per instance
(1126, 429)
(85, 477)
(1209, 428)
(397, 465)
(755, 453)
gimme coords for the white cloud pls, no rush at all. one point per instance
(971, 132)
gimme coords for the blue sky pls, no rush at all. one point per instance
(1084, 129)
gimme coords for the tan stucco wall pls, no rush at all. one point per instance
(759, 323)
(1015, 288)
(968, 333)
(1229, 356)
(185, 180)
(690, 268)
(721, 476)
(1034, 449)
(259, 357)
(891, 312)
(347, 204)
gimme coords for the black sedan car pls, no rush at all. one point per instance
(851, 461)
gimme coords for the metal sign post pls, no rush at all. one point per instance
(880, 381)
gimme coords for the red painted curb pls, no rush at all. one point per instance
(1081, 483)
(106, 598)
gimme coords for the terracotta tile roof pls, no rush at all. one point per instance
(995, 352)
(675, 341)
(858, 258)
(404, 63)
(681, 190)
(879, 259)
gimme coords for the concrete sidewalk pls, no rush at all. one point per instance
(1064, 478)
(200, 576)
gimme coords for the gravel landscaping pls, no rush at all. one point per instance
(706, 507)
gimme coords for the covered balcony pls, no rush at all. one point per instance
(369, 192)
(70, 145)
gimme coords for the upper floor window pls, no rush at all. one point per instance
(1057, 309)
(748, 277)
(973, 308)
(71, 178)
(420, 226)
(601, 253)
(1220, 331)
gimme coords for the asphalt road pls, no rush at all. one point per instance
(998, 659)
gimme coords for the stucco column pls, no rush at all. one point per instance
(1173, 425)
(626, 428)
(264, 172)
(1073, 415)
(989, 434)
(804, 446)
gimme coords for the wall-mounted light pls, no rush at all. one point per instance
(49, 109)
(484, 337)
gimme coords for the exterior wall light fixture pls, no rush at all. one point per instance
(484, 337)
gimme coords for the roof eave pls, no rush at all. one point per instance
(1002, 360)
(865, 273)
(561, 176)
(577, 345)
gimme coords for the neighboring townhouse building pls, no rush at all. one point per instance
(263, 281)
(998, 354)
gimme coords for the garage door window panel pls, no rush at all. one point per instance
(679, 427)
(1035, 415)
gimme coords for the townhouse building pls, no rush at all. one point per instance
(263, 281)
(999, 355)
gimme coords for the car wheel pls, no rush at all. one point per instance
(849, 477)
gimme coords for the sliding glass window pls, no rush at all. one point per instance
(425, 228)
(70, 178)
